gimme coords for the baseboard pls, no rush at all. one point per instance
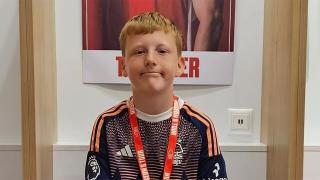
(10, 147)
(311, 148)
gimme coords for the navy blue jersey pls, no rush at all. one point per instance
(112, 152)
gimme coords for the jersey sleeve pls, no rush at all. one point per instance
(97, 164)
(211, 163)
(212, 168)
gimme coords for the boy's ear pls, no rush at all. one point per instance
(123, 69)
(181, 67)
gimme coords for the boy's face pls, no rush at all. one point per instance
(152, 62)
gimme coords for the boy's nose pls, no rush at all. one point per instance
(150, 59)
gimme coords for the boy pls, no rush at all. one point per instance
(154, 134)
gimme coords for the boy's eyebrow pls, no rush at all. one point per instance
(137, 46)
(143, 46)
(161, 44)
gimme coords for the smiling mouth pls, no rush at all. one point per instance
(151, 74)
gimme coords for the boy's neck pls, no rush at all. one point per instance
(154, 103)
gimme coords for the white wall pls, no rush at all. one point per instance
(312, 98)
(312, 101)
(79, 104)
(10, 97)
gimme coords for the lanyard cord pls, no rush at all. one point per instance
(171, 142)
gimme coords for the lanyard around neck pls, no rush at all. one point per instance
(171, 141)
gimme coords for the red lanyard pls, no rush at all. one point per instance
(171, 144)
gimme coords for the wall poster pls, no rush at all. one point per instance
(207, 29)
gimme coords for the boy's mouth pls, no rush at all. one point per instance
(151, 74)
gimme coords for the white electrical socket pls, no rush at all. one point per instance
(240, 121)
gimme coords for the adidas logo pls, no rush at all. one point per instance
(125, 152)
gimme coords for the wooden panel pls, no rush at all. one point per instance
(38, 80)
(284, 61)
(27, 92)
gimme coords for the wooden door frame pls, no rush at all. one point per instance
(38, 87)
(283, 87)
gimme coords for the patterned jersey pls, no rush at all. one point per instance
(112, 152)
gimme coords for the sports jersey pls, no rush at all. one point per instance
(112, 151)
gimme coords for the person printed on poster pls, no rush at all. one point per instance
(202, 22)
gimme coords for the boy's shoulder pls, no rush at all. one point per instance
(114, 110)
(205, 127)
(195, 113)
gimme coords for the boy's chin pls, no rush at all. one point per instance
(154, 89)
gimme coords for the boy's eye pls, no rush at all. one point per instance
(162, 51)
(139, 51)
